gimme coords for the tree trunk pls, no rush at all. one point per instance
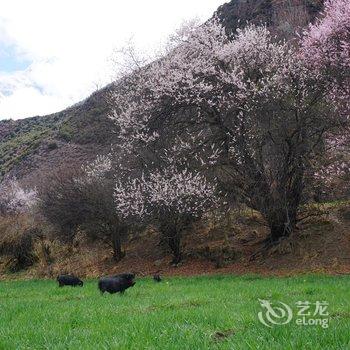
(175, 246)
(281, 225)
(281, 214)
(118, 254)
(280, 207)
(172, 232)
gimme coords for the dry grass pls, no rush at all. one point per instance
(322, 244)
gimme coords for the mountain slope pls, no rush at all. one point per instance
(283, 16)
(31, 147)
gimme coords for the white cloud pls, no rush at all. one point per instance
(69, 44)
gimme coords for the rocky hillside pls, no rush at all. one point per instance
(283, 16)
(33, 146)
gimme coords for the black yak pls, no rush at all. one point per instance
(116, 284)
(157, 278)
(69, 280)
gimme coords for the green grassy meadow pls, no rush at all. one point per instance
(217, 312)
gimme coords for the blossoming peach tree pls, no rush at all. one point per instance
(15, 199)
(326, 47)
(247, 113)
(170, 198)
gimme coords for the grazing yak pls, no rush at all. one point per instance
(69, 280)
(117, 283)
(157, 278)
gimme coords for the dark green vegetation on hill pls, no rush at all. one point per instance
(179, 313)
(28, 144)
(23, 137)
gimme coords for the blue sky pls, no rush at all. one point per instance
(10, 61)
(55, 53)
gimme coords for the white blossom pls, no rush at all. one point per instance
(16, 199)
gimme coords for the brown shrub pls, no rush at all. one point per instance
(17, 234)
